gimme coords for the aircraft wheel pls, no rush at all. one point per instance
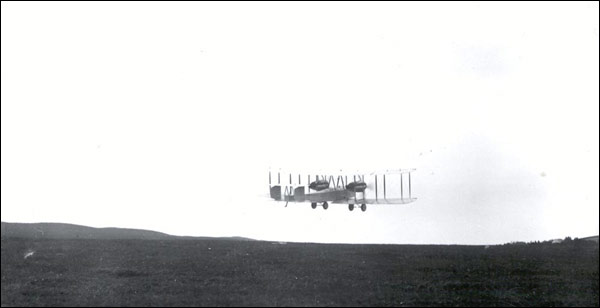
(351, 207)
(313, 205)
(325, 205)
(363, 207)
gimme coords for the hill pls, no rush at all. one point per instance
(590, 238)
(71, 231)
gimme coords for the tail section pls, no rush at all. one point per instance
(299, 194)
(276, 192)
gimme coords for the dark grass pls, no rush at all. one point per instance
(253, 273)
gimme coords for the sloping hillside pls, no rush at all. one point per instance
(69, 231)
(591, 238)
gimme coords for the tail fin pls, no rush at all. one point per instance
(276, 192)
(299, 194)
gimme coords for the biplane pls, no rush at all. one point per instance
(337, 189)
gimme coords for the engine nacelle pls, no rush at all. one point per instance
(358, 186)
(319, 185)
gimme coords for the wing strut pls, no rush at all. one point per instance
(409, 193)
(384, 196)
(376, 188)
(401, 188)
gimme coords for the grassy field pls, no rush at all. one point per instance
(208, 272)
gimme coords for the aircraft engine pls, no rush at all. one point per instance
(319, 185)
(358, 186)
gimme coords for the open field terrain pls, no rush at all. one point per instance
(219, 272)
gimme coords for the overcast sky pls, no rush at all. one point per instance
(167, 116)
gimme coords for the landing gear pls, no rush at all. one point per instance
(313, 205)
(325, 205)
(363, 207)
(351, 207)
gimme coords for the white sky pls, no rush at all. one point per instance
(167, 116)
